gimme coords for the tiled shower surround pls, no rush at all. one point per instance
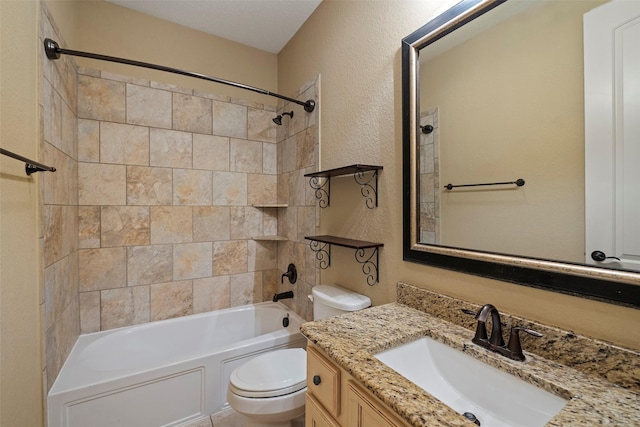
(152, 213)
(165, 221)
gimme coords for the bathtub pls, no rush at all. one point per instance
(164, 373)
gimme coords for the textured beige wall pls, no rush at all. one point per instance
(65, 14)
(20, 378)
(108, 29)
(355, 46)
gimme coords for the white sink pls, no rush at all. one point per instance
(467, 385)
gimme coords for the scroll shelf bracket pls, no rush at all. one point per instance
(369, 265)
(368, 186)
(322, 190)
(323, 253)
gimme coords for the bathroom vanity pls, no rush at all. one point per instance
(348, 386)
(335, 398)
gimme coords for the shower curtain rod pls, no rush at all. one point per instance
(53, 51)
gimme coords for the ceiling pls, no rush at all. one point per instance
(264, 24)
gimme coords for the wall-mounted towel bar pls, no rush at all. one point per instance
(519, 182)
(30, 166)
(53, 51)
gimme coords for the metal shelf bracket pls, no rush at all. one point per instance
(322, 190)
(369, 265)
(323, 253)
(368, 190)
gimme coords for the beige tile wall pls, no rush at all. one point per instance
(298, 154)
(59, 220)
(167, 182)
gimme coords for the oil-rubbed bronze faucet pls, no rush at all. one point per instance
(496, 327)
(495, 342)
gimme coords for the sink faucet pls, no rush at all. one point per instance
(496, 326)
(495, 342)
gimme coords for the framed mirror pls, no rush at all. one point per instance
(494, 149)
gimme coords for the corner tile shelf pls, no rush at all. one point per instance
(321, 245)
(269, 205)
(368, 186)
(269, 238)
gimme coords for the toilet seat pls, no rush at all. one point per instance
(272, 374)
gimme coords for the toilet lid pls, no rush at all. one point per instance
(275, 373)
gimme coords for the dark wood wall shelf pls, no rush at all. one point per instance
(366, 253)
(368, 182)
(321, 245)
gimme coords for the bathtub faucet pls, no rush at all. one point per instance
(291, 274)
(282, 295)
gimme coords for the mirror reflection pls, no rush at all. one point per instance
(502, 99)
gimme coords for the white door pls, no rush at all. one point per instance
(612, 134)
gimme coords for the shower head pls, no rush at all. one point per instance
(278, 120)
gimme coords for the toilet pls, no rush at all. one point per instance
(269, 390)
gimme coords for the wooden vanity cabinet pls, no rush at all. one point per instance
(316, 415)
(365, 410)
(335, 399)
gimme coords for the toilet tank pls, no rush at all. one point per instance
(331, 300)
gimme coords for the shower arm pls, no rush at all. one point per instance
(53, 51)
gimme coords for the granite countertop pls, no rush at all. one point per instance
(352, 339)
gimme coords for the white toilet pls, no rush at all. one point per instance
(269, 390)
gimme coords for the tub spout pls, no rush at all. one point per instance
(282, 295)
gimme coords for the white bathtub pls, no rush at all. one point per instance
(164, 373)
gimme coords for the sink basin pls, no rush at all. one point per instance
(467, 385)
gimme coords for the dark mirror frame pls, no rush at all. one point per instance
(613, 286)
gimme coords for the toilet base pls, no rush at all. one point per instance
(279, 411)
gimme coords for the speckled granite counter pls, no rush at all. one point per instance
(352, 339)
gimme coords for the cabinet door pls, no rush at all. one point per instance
(365, 411)
(315, 416)
(323, 381)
